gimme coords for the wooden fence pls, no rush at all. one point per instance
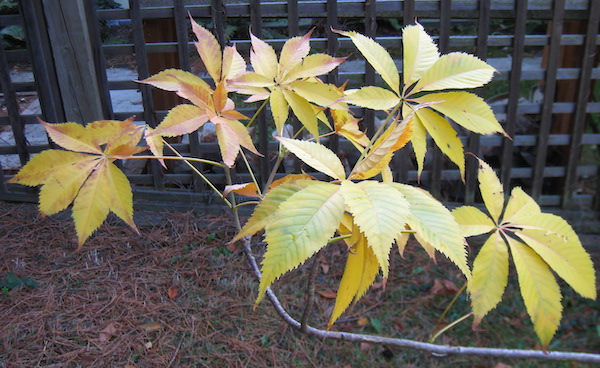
(545, 51)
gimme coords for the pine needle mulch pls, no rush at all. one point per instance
(178, 296)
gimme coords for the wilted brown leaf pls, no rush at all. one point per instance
(173, 292)
(328, 294)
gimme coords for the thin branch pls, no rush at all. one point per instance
(439, 350)
(310, 292)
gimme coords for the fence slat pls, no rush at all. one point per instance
(12, 107)
(513, 93)
(583, 93)
(143, 73)
(549, 94)
(370, 31)
(483, 28)
(261, 120)
(332, 49)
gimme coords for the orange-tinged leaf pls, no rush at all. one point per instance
(294, 50)
(245, 189)
(234, 115)
(72, 136)
(209, 50)
(182, 119)
(250, 80)
(361, 270)
(220, 97)
(289, 178)
(114, 133)
(173, 291)
(263, 58)
(346, 125)
(328, 294)
(155, 143)
(231, 134)
(185, 84)
(233, 63)
(380, 155)
(312, 66)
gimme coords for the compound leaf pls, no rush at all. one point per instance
(420, 53)
(455, 70)
(316, 155)
(302, 225)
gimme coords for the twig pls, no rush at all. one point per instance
(310, 292)
(439, 350)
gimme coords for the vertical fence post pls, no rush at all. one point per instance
(370, 31)
(38, 44)
(74, 60)
(332, 47)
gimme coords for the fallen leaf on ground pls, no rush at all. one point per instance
(328, 294)
(108, 332)
(152, 326)
(173, 292)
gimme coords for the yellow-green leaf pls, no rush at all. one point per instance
(316, 155)
(312, 66)
(420, 53)
(465, 109)
(303, 225)
(375, 98)
(419, 143)
(378, 57)
(269, 206)
(303, 111)
(553, 239)
(472, 221)
(455, 70)
(435, 224)
(444, 136)
(360, 273)
(539, 290)
(279, 108)
(490, 276)
(491, 190)
(182, 119)
(322, 94)
(379, 211)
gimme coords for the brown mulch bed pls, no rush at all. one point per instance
(178, 296)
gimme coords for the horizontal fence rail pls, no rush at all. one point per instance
(545, 92)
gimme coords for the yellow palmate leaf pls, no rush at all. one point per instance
(303, 111)
(322, 94)
(375, 98)
(401, 241)
(472, 221)
(378, 57)
(360, 273)
(444, 136)
(539, 290)
(455, 70)
(289, 178)
(419, 143)
(209, 50)
(553, 239)
(245, 189)
(47, 164)
(251, 80)
(465, 109)
(121, 200)
(263, 58)
(279, 108)
(72, 136)
(156, 144)
(294, 50)
(312, 66)
(264, 211)
(59, 190)
(519, 207)
(420, 53)
(491, 190)
(490, 276)
(303, 225)
(435, 225)
(182, 119)
(317, 156)
(382, 151)
(379, 212)
(185, 84)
